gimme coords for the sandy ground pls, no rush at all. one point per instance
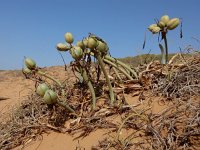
(16, 88)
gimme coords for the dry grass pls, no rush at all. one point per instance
(175, 127)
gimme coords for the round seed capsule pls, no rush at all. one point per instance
(85, 42)
(69, 38)
(26, 70)
(41, 89)
(30, 63)
(62, 47)
(102, 47)
(165, 19)
(155, 30)
(50, 97)
(76, 52)
(92, 43)
(152, 26)
(80, 44)
(173, 23)
(161, 24)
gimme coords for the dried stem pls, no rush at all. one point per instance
(122, 64)
(117, 67)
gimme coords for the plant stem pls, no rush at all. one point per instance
(122, 64)
(49, 77)
(59, 84)
(112, 97)
(117, 74)
(166, 47)
(66, 106)
(86, 79)
(53, 79)
(120, 69)
(163, 59)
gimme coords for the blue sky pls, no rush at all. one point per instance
(33, 27)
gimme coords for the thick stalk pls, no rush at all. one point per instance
(117, 74)
(112, 97)
(166, 47)
(120, 69)
(91, 88)
(122, 64)
(163, 61)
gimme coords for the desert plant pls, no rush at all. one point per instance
(81, 52)
(162, 27)
(94, 46)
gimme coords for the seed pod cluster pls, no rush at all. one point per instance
(164, 24)
(49, 96)
(91, 43)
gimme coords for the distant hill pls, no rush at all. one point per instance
(144, 59)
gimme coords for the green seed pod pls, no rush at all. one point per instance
(102, 47)
(92, 43)
(69, 38)
(85, 42)
(152, 26)
(62, 47)
(41, 89)
(30, 63)
(161, 24)
(173, 23)
(76, 52)
(50, 97)
(26, 70)
(165, 19)
(155, 30)
(80, 44)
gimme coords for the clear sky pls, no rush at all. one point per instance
(33, 27)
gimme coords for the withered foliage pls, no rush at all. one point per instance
(176, 126)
